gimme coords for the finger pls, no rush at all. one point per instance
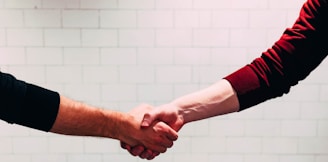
(137, 150)
(125, 146)
(171, 134)
(154, 154)
(151, 158)
(166, 131)
(147, 120)
(163, 141)
(146, 154)
(166, 143)
(157, 148)
(150, 117)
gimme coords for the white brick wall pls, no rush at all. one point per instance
(42, 18)
(117, 54)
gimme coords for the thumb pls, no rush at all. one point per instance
(148, 119)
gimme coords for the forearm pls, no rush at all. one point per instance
(217, 99)
(75, 118)
(78, 119)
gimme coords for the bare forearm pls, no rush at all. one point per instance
(75, 118)
(78, 119)
(218, 99)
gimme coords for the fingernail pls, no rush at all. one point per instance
(144, 124)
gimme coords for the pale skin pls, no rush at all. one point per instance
(217, 99)
(78, 119)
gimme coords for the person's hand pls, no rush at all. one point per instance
(166, 113)
(156, 137)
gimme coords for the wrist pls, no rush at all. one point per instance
(180, 110)
(114, 124)
(126, 129)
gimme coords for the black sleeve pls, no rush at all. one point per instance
(27, 104)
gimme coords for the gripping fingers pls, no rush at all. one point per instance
(147, 154)
(167, 132)
(137, 150)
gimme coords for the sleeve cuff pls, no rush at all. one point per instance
(40, 108)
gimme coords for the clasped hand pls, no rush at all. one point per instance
(159, 125)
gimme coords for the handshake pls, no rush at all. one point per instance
(146, 131)
(156, 130)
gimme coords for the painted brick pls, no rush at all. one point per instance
(229, 56)
(210, 38)
(280, 145)
(173, 37)
(118, 19)
(64, 74)
(23, 145)
(313, 145)
(248, 38)
(304, 93)
(100, 74)
(96, 4)
(263, 128)
(176, 4)
(89, 93)
(22, 4)
(136, 38)
(173, 74)
(11, 18)
(241, 145)
(180, 90)
(62, 37)
(225, 158)
(136, 4)
(80, 19)
(42, 18)
(24, 37)
(65, 144)
(66, 4)
(118, 56)
(44, 56)
(119, 92)
(12, 56)
(2, 37)
(7, 146)
(137, 74)
(313, 111)
(288, 5)
(81, 56)
(99, 38)
(48, 158)
(153, 92)
(261, 158)
(155, 56)
(231, 19)
(300, 158)
(267, 19)
(32, 74)
(299, 128)
(100, 145)
(324, 93)
(84, 158)
(15, 158)
(155, 19)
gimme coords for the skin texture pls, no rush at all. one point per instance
(78, 119)
(217, 99)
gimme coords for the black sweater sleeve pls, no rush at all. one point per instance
(27, 104)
